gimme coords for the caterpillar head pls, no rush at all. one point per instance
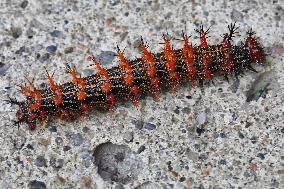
(255, 49)
(24, 115)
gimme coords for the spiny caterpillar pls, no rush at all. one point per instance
(133, 79)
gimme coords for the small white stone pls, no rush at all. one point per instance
(201, 118)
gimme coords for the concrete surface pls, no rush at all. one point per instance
(197, 138)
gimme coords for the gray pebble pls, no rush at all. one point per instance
(150, 126)
(279, 13)
(241, 135)
(117, 163)
(275, 183)
(86, 129)
(261, 156)
(66, 148)
(114, 2)
(223, 162)
(77, 139)
(201, 118)
(52, 129)
(40, 161)
(106, 57)
(56, 163)
(86, 155)
(29, 146)
(196, 146)
(138, 124)
(24, 4)
(21, 50)
(68, 50)
(88, 72)
(176, 111)
(141, 149)
(16, 32)
(237, 16)
(44, 58)
(235, 85)
(260, 86)
(30, 33)
(19, 142)
(128, 136)
(34, 184)
(148, 185)
(56, 33)
(59, 141)
(119, 186)
(203, 156)
(51, 49)
(254, 139)
(4, 68)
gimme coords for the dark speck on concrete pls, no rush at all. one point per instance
(253, 139)
(200, 130)
(66, 148)
(241, 136)
(261, 156)
(222, 135)
(114, 2)
(51, 49)
(24, 4)
(206, 13)
(30, 33)
(150, 126)
(189, 97)
(37, 185)
(141, 149)
(181, 179)
(196, 146)
(223, 162)
(176, 110)
(20, 50)
(29, 146)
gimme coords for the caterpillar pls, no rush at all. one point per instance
(150, 74)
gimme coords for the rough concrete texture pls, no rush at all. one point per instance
(208, 137)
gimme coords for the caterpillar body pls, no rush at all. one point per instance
(133, 79)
